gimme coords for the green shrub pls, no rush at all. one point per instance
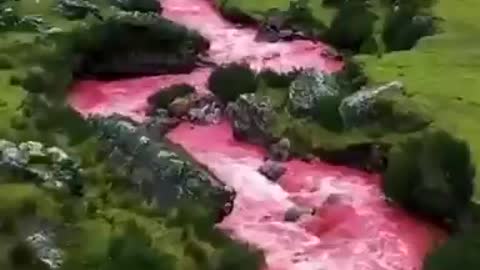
(327, 114)
(407, 23)
(229, 82)
(133, 250)
(431, 174)
(278, 80)
(22, 256)
(237, 256)
(138, 5)
(458, 252)
(163, 97)
(5, 62)
(352, 26)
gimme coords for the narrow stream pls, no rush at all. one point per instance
(352, 229)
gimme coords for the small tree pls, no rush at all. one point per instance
(431, 174)
(229, 82)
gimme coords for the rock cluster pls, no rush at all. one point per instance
(50, 166)
(252, 117)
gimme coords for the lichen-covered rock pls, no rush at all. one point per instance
(252, 118)
(359, 108)
(160, 173)
(77, 9)
(50, 166)
(308, 89)
(46, 249)
(272, 170)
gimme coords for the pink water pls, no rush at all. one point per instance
(353, 228)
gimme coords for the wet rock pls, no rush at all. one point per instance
(293, 214)
(308, 89)
(272, 170)
(180, 107)
(252, 118)
(207, 110)
(159, 124)
(280, 151)
(358, 108)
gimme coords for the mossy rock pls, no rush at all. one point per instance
(165, 96)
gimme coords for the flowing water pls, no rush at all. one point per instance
(353, 227)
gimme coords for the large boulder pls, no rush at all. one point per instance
(157, 168)
(360, 108)
(252, 118)
(308, 90)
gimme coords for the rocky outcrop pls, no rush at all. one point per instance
(49, 166)
(205, 110)
(252, 118)
(158, 172)
(307, 91)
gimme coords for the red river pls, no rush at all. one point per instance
(353, 227)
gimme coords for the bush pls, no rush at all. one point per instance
(278, 80)
(238, 256)
(431, 174)
(327, 114)
(459, 252)
(5, 62)
(163, 97)
(403, 29)
(229, 82)
(352, 26)
(138, 5)
(22, 256)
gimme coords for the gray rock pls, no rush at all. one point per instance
(180, 106)
(280, 151)
(357, 109)
(293, 214)
(45, 249)
(77, 9)
(272, 170)
(308, 90)
(252, 118)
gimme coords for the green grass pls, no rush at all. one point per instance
(14, 196)
(441, 72)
